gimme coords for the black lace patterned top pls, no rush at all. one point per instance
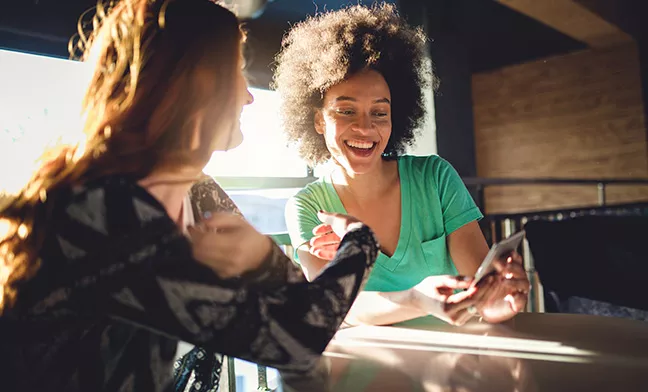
(118, 288)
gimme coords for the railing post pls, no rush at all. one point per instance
(262, 374)
(508, 227)
(601, 193)
(535, 302)
(481, 197)
(231, 375)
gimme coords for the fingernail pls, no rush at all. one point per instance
(509, 259)
(207, 214)
(509, 275)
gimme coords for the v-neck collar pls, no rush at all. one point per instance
(385, 261)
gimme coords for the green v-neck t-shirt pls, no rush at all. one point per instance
(434, 203)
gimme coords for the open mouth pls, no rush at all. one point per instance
(360, 147)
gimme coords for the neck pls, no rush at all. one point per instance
(367, 185)
(170, 188)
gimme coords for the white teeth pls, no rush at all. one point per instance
(359, 144)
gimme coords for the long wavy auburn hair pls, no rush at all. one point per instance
(161, 92)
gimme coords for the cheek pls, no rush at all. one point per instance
(385, 129)
(334, 127)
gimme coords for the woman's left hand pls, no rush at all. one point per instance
(506, 291)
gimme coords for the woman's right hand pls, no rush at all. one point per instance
(435, 296)
(329, 234)
(229, 245)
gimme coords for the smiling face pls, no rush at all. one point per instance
(356, 121)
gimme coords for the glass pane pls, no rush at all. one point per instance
(40, 104)
(264, 152)
(264, 208)
(247, 379)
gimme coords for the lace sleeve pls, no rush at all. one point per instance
(207, 195)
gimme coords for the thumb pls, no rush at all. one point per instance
(337, 222)
(329, 218)
(454, 282)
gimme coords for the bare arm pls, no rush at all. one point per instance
(370, 307)
(467, 247)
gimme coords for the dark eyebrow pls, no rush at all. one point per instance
(345, 98)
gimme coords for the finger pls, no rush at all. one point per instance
(323, 254)
(329, 217)
(486, 288)
(487, 280)
(456, 303)
(453, 282)
(516, 258)
(322, 229)
(513, 271)
(326, 239)
(326, 248)
(463, 317)
(445, 291)
(510, 259)
(462, 295)
(516, 285)
(517, 301)
(224, 221)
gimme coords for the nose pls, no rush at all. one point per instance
(364, 125)
(249, 98)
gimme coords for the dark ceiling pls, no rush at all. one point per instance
(628, 15)
(496, 35)
(492, 34)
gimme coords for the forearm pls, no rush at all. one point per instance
(383, 308)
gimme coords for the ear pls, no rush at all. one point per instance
(318, 121)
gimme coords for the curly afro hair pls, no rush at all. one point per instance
(329, 48)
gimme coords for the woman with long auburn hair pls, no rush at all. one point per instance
(102, 271)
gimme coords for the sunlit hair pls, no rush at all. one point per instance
(162, 69)
(329, 48)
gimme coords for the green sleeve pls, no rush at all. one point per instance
(301, 219)
(457, 205)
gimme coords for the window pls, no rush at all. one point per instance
(40, 104)
(264, 152)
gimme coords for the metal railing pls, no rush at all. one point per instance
(501, 225)
(480, 184)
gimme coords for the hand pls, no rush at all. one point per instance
(434, 295)
(506, 291)
(328, 235)
(229, 245)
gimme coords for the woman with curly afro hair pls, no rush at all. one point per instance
(351, 85)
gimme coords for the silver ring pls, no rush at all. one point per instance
(472, 309)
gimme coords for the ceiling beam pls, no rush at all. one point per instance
(572, 19)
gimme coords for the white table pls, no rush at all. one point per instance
(533, 352)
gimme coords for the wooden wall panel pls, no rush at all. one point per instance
(574, 116)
